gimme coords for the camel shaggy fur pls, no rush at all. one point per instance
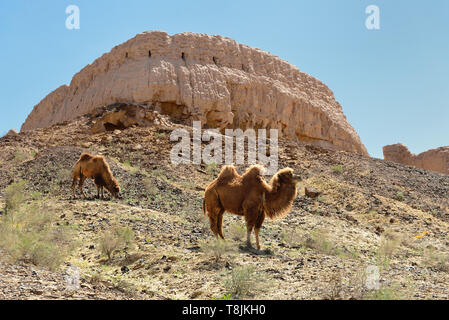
(250, 196)
(94, 167)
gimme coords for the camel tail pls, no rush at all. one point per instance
(204, 206)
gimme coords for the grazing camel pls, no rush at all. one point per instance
(94, 167)
(249, 196)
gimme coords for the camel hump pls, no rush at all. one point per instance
(227, 172)
(255, 170)
(85, 156)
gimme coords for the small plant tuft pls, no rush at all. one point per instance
(337, 169)
(241, 281)
(115, 239)
(217, 248)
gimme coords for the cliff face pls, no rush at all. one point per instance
(435, 159)
(208, 78)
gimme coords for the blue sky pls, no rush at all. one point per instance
(392, 83)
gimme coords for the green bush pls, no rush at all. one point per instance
(224, 297)
(337, 169)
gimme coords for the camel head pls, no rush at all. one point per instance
(114, 189)
(288, 176)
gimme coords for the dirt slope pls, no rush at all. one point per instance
(371, 212)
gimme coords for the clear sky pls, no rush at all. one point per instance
(392, 83)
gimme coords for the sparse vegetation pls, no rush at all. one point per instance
(387, 293)
(241, 281)
(237, 231)
(436, 259)
(212, 168)
(292, 238)
(335, 286)
(400, 196)
(159, 134)
(318, 239)
(114, 239)
(389, 242)
(129, 167)
(151, 187)
(217, 248)
(14, 195)
(30, 233)
(22, 155)
(224, 297)
(337, 169)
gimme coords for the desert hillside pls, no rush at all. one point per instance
(370, 213)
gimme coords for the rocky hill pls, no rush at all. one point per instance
(370, 212)
(435, 159)
(213, 79)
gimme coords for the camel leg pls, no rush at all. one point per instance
(98, 192)
(257, 227)
(81, 184)
(249, 229)
(102, 192)
(213, 220)
(73, 187)
(248, 212)
(220, 223)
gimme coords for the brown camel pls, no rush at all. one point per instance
(249, 196)
(94, 167)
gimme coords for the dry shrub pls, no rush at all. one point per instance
(217, 248)
(293, 238)
(241, 282)
(22, 155)
(335, 286)
(319, 240)
(237, 231)
(391, 292)
(115, 239)
(389, 242)
(436, 259)
(15, 195)
(30, 233)
(150, 187)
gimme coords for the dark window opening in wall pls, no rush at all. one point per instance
(183, 56)
(243, 67)
(126, 55)
(149, 53)
(215, 60)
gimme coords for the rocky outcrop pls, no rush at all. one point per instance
(435, 159)
(208, 78)
(124, 115)
(11, 132)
